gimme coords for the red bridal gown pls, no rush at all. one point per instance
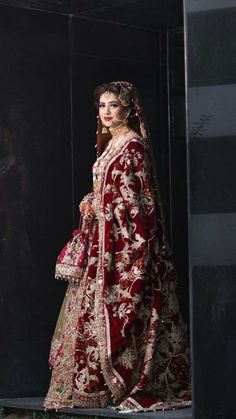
(120, 340)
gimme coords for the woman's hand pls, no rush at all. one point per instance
(86, 209)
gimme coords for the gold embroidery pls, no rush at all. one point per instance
(86, 373)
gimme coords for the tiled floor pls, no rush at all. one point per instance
(35, 404)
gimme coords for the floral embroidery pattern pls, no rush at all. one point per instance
(127, 345)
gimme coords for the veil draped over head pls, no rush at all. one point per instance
(129, 97)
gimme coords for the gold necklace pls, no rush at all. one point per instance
(120, 130)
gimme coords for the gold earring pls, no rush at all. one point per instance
(104, 130)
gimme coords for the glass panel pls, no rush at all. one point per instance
(35, 207)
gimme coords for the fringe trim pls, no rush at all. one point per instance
(69, 273)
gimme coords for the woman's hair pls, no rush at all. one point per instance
(102, 88)
(116, 88)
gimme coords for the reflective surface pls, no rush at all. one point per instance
(149, 14)
(35, 191)
(94, 63)
(156, 65)
(177, 164)
(50, 65)
(210, 42)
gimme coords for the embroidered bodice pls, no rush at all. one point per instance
(120, 136)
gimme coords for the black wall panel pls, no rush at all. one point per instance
(212, 48)
(109, 53)
(213, 175)
(50, 65)
(35, 191)
(214, 293)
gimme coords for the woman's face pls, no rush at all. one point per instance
(111, 112)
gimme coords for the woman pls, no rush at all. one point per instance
(120, 339)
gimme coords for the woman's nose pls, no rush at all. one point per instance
(107, 110)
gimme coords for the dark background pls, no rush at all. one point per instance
(53, 54)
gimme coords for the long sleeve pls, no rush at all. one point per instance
(88, 199)
(134, 203)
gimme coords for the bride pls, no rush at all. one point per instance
(120, 340)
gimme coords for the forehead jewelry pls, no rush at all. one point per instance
(107, 94)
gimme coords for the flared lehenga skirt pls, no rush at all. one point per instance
(77, 376)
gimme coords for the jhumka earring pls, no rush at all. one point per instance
(104, 130)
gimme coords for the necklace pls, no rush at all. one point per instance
(120, 130)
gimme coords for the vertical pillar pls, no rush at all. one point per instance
(211, 129)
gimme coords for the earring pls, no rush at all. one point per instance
(104, 130)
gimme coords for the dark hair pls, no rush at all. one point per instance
(102, 88)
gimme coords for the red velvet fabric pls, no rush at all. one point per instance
(120, 339)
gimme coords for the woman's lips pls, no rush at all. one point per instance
(107, 118)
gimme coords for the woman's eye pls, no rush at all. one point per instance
(112, 105)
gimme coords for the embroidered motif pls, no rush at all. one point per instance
(127, 359)
(122, 340)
